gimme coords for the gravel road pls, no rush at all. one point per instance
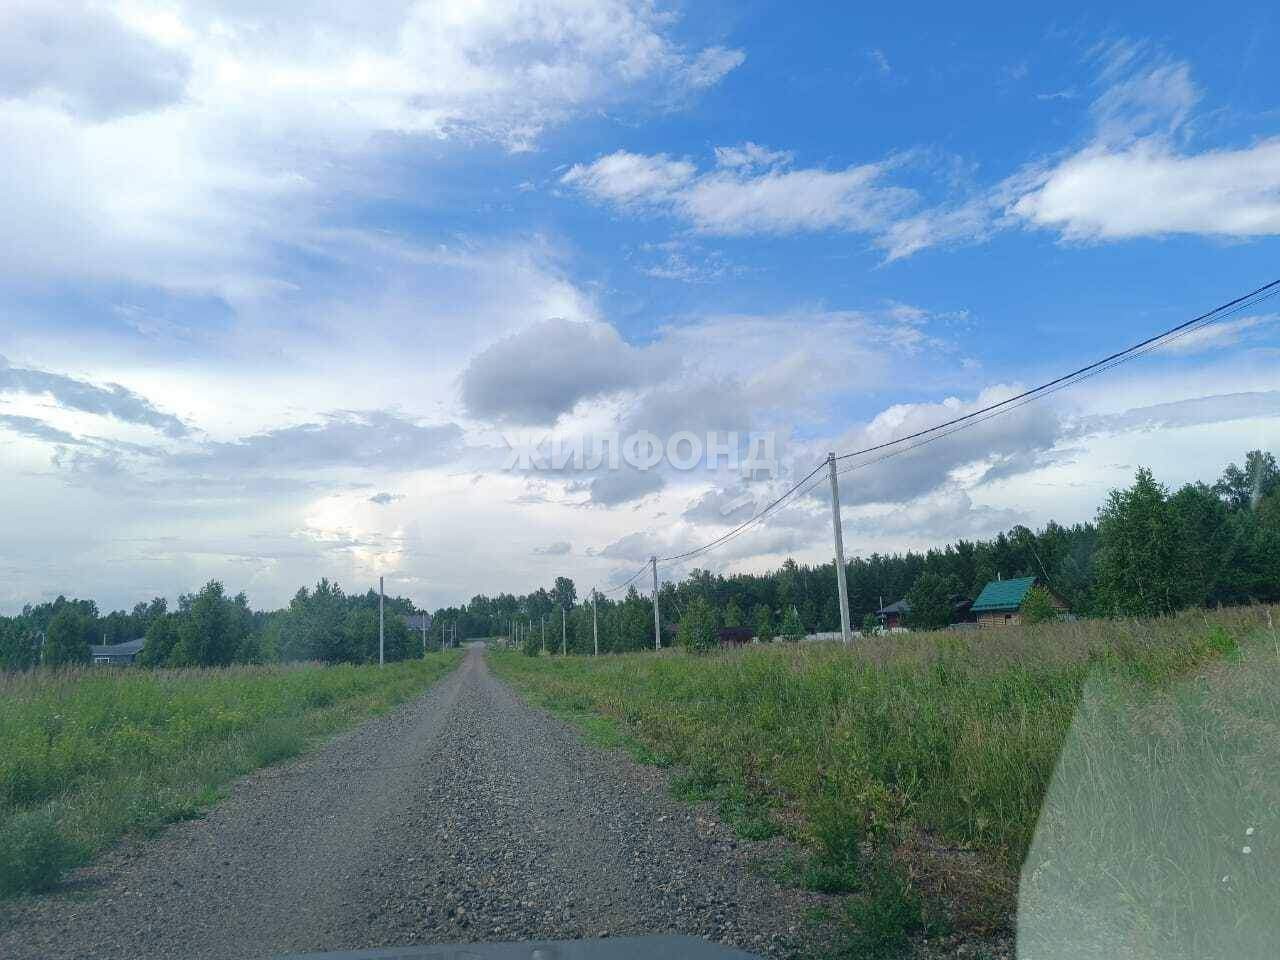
(464, 815)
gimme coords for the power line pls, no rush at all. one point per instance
(732, 533)
(1027, 397)
(975, 417)
(631, 579)
(1150, 341)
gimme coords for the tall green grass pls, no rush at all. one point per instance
(926, 744)
(90, 754)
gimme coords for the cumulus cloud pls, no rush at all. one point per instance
(84, 60)
(624, 485)
(135, 138)
(111, 400)
(560, 548)
(385, 499)
(544, 370)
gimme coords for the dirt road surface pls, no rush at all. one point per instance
(463, 815)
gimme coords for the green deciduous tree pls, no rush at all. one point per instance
(16, 650)
(1243, 488)
(1138, 559)
(161, 638)
(67, 640)
(210, 629)
(697, 628)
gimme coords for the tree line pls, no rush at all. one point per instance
(1149, 551)
(211, 629)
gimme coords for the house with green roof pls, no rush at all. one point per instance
(1000, 602)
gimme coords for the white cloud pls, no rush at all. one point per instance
(547, 368)
(111, 400)
(738, 198)
(1150, 189)
(1137, 174)
(1138, 177)
(1226, 333)
(190, 147)
(84, 60)
(782, 202)
(750, 154)
(625, 179)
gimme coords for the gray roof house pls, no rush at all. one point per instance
(117, 653)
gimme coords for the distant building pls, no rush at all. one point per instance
(1000, 602)
(116, 653)
(735, 636)
(893, 616)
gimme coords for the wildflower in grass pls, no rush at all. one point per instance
(1249, 832)
(1246, 849)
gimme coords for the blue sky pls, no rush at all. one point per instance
(264, 276)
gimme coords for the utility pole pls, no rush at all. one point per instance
(424, 634)
(657, 626)
(840, 571)
(544, 632)
(564, 633)
(381, 624)
(595, 623)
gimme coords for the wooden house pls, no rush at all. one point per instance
(893, 616)
(1000, 602)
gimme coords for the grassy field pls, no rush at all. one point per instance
(88, 755)
(1129, 765)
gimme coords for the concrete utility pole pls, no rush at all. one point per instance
(544, 633)
(657, 626)
(840, 571)
(381, 624)
(564, 633)
(424, 634)
(595, 623)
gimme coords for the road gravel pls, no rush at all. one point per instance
(464, 815)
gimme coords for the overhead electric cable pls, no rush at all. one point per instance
(975, 417)
(1150, 341)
